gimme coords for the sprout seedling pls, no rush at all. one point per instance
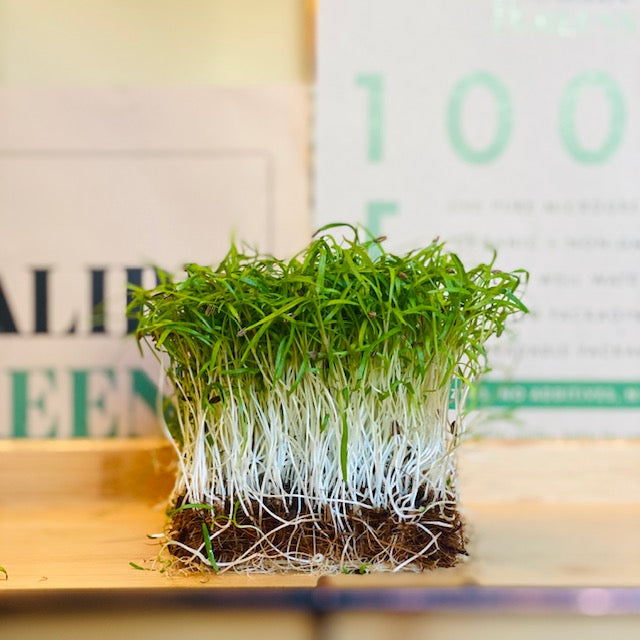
(318, 402)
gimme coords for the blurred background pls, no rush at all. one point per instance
(147, 132)
(132, 134)
(99, 43)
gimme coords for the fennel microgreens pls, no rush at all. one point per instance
(311, 391)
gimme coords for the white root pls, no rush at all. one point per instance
(266, 446)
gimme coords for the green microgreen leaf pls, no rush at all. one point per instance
(194, 505)
(207, 546)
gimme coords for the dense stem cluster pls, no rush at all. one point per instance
(316, 395)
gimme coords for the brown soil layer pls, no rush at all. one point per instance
(373, 536)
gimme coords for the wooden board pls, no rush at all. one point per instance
(74, 514)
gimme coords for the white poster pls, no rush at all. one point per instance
(510, 124)
(96, 187)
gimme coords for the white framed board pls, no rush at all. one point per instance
(98, 186)
(511, 124)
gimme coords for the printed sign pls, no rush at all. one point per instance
(96, 188)
(510, 124)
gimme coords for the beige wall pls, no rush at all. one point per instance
(158, 42)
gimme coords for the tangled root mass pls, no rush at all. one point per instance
(278, 535)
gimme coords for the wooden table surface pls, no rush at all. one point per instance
(554, 554)
(74, 514)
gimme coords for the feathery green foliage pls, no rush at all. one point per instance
(331, 311)
(323, 381)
